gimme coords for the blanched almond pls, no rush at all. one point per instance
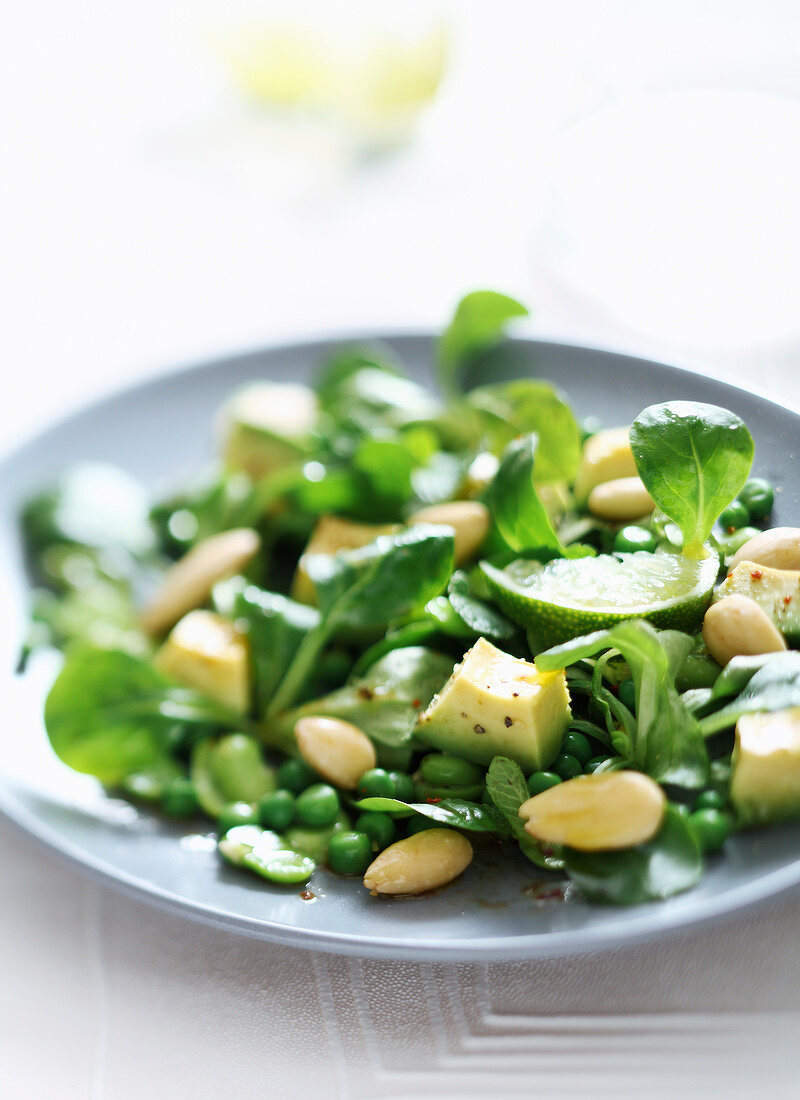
(778, 548)
(607, 456)
(621, 500)
(419, 863)
(597, 813)
(188, 583)
(468, 518)
(736, 626)
(339, 751)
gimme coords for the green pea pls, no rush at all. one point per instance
(236, 813)
(682, 809)
(276, 810)
(542, 781)
(709, 828)
(318, 805)
(295, 776)
(376, 783)
(734, 517)
(709, 800)
(699, 670)
(313, 841)
(575, 744)
(284, 867)
(419, 823)
(349, 853)
(567, 766)
(592, 765)
(180, 798)
(403, 786)
(627, 694)
(731, 544)
(379, 828)
(758, 497)
(443, 770)
(630, 539)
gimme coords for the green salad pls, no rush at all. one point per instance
(390, 626)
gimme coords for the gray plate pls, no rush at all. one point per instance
(161, 430)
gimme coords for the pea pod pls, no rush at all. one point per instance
(313, 841)
(230, 769)
(264, 853)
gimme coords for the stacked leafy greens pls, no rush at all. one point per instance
(368, 624)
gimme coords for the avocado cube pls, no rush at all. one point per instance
(265, 426)
(765, 779)
(331, 535)
(205, 651)
(498, 705)
(776, 591)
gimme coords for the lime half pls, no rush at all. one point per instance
(567, 598)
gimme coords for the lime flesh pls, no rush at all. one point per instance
(567, 598)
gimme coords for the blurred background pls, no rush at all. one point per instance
(183, 178)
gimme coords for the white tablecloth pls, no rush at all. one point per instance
(149, 217)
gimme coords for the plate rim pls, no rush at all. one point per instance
(652, 922)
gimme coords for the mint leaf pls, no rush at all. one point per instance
(508, 790)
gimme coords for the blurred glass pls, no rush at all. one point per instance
(672, 191)
(367, 68)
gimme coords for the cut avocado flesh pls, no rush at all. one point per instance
(776, 591)
(495, 704)
(332, 534)
(570, 597)
(266, 426)
(205, 651)
(765, 778)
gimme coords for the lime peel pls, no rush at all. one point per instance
(570, 597)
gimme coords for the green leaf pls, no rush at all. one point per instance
(775, 686)
(541, 855)
(411, 634)
(275, 626)
(211, 506)
(477, 615)
(519, 514)
(384, 701)
(738, 673)
(693, 458)
(111, 714)
(666, 865)
(527, 406)
(386, 466)
(388, 579)
(667, 742)
(338, 368)
(91, 505)
(455, 813)
(478, 323)
(363, 389)
(507, 789)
